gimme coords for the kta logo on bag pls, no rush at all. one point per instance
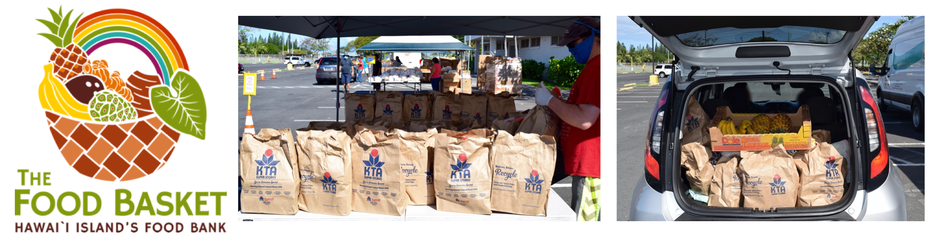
(478, 118)
(446, 112)
(266, 166)
(691, 122)
(777, 187)
(329, 185)
(388, 110)
(373, 168)
(506, 116)
(416, 112)
(359, 112)
(461, 170)
(832, 171)
(714, 159)
(533, 184)
(373, 201)
(427, 174)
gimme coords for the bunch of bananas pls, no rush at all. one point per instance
(746, 127)
(726, 126)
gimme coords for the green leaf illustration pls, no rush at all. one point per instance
(184, 110)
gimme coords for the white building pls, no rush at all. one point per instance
(538, 48)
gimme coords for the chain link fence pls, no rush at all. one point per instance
(624, 68)
(268, 58)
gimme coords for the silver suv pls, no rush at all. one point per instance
(768, 65)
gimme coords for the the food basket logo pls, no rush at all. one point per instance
(360, 112)
(329, 185)
(388, 110)
(533, 184)
(691, 122)
(267, 166)
(777, 186)
(373, 167)
(107, 126)
(832, 170)
(461, 170)
(416, 112)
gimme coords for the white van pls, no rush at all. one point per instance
(901, 81)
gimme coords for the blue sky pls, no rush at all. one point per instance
(629, 33)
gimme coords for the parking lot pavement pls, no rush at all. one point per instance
(634, 106)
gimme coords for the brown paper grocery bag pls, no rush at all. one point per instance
(725, 189)
(359, 107)
(770, 179)
(540, 120)
(821, 176)
(268, 160)
(388, 106)
(509, 125)
(698, 161)
(416, 107)
(462, 172)
(473, 111)
(416, 164)
(499, 106)
(523, 166)
(695, 124)
(325, 163)
(377, 180)
(446, 107)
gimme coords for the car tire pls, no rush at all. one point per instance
(307, 64)
(917, 115)
(662, 75)
(882, 104)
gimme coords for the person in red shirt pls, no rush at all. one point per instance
(580, 134)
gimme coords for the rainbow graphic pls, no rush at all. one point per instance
(123, 26)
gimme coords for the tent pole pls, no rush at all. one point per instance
(505, 46)
(339, 76)
(515, 43)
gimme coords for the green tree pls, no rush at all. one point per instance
(874, 48)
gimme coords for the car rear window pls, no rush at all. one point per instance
(761, 92)
(729, 35)
(328, 61)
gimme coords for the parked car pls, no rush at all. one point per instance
(781, 64)
(326, 70)
(663, 70)
(901, 77)
(241, 68)
(296, 60)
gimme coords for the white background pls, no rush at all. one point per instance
(206, 31)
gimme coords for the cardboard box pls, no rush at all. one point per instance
(450, 87)
(449, 78)
(800, 123)
(466, 85)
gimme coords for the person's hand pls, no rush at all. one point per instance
(542, 95)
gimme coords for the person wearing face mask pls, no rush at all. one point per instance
(580, 134)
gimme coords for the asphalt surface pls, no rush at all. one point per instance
(634, 106)
(294, 99)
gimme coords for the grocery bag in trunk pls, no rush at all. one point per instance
(377, 180)
(699, 163)
(499, 106)
(770, 179)
(821, 176)
(416, 107)
(416, 164)
(269, 180)
(388, 106)
(325, 166)
(462, 171)
(522, 172)
(725, 189)
(695, 124)
(446, 107)
(473, 111)
(359, 107)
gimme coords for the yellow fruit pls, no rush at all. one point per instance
(780, 124)
(761, 124)
(56, 98)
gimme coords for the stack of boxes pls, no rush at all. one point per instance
(501, 74)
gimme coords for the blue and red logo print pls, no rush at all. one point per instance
(777, 187)
(533, 184)
(359, 112)
(691, 122)
(446, 112)
(266, 165)
(388, 110)
(329, 185)
(416, 112)
(832, 170)
(461, 170)
(373, 168)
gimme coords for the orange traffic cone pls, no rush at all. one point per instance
(274, 74)
(261, 74)
(249, 124)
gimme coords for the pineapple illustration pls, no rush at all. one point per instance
(67, 58)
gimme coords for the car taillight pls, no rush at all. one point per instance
(877, 141)
(652, 156)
